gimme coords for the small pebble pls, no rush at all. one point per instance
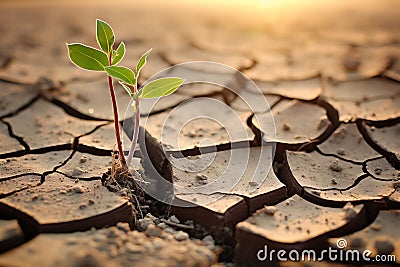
(192, 134)
(180, 236)
(208, 239)
(333, 181)
(142, 224)
(83, 159)
(203, 182)
(162, 225)
(378, 170)
(123, 227)
(123, 192)
(174, 219)
(170, 230)
(375, 227)
(153, 230)
(270, 210)
(253, 183)
(113, 233)
(286, 127)
(209, 242)
(99, 237)
(341, 152)
(201, 177)
(39, 121)
(158, 244)
(131, 248)
(82, 206)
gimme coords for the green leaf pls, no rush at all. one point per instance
(87, 57)
(142, 61)
(127, 89)
(122, 73)
(160, 87)
(104, 35)
(118, 54)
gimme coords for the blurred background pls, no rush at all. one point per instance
(287, 39)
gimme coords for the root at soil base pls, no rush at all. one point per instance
(120, 177)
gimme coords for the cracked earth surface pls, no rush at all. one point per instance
(333, 93)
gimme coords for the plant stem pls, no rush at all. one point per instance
(116, 121)
(136, 130)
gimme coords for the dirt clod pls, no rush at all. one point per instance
(83, 159)
(334, 166)
(378, 170)
(286, 127)
(270, 210)
(78, 189)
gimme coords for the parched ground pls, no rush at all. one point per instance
(326, 175)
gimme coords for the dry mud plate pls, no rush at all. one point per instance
(325, 176)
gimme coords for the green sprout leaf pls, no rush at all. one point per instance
(127, 88)
(87, 57)
(160, 87)
(104, 35)
(118, 54)
(142, 61)
(122, 73)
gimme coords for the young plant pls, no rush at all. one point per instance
(92, 59)
(154, 89)
(106, 59)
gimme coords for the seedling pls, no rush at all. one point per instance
(106, 59)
